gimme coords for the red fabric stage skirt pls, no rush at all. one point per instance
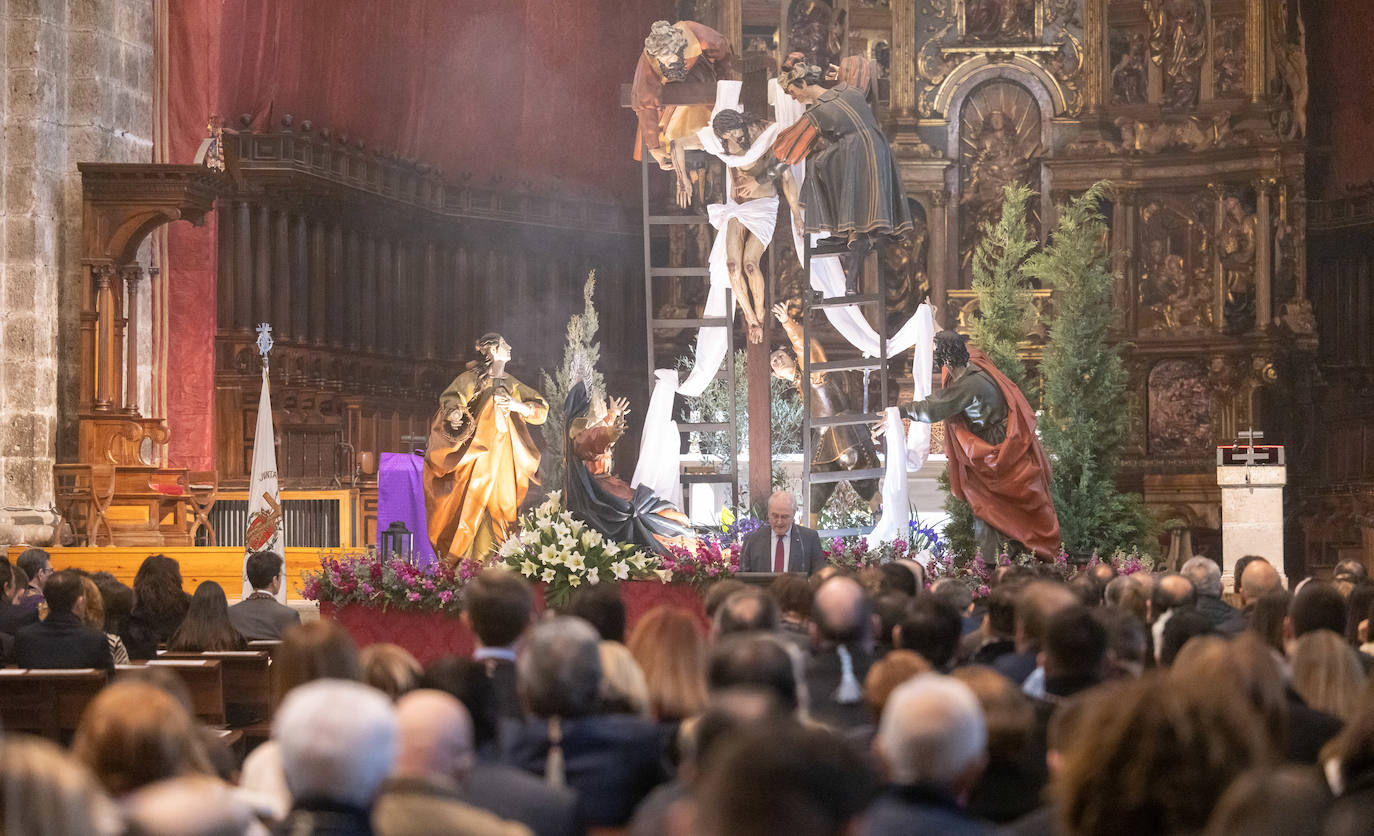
(431, 635)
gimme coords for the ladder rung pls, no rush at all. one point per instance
(848, 475)
(846, 420)
(841, 301)
(709, 322)
(845, 365)
(656, 220)
(680, 271)
(703, 426)
(707, 478)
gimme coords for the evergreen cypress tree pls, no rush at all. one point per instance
(1085, 420)
(1005, 308)
(581, 355)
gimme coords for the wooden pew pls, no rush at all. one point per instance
(247, 678)
(204, 680)
(47, 702)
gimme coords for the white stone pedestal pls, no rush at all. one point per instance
(1251, 515)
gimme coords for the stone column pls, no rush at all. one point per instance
(103, 276)
(937, 263)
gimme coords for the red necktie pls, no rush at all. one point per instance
(778, 557)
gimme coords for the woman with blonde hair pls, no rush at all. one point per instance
(390, 669)
(134, 733)
(94, 616)
(45, 792)
(669, 645)
(623, 689)
(1327, 674)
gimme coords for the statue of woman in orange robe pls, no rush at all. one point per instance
(480, 459)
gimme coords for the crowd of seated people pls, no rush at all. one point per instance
(868, 703)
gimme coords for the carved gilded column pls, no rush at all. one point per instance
(903, 63)
(103, 276)
(1264, 235)
(1255, 48)
(1094, 67)
(132, 276)
(732, 23)
(1218, 269)
(1123, 212)
(939, 251)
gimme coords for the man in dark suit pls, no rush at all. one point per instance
(1206, 577)
(260, 616)
(499, 606)
(783, 546)
(63, 640)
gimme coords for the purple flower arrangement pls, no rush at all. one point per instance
(711, 560)
(369, 579)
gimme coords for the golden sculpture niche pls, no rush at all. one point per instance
(1000, 21)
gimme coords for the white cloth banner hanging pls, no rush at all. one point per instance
(896, 512)
(658, 449)
(266, 529)
(922, 359)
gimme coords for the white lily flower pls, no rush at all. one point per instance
(576, 562)
(593, 576)
(664, 575)
(621, 570)
(548, 575)
(528, 569)
(574, 580)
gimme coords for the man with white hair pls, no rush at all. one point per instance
(782, 546)
(338, 740)
(932, 741)
(425, 792)
(1206, 577)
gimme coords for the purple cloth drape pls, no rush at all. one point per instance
(401, 496)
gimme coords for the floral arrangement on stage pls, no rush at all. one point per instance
(555, 548)
(711, 560)
(369, 579)
(855, 553)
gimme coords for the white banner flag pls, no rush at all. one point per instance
(266, 531)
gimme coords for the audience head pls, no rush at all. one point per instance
(389, 668)
(1182, 628)
(315, 650)
(600, 606)
(841, 611)
(117, 600)
(1035, 606)
(1008, 713)
(931, 627)
(889, 607)
(1171, 592)
(729, 714)
(897, 578)
(718, 592)
(1103, 572)
(157, 586)
(917, 571)
(1357, 609)
(1199, 736)
(1352, 571)
(44, 792)
(1245, 666)
(887, 674)
(206, 625)
(192, 805)
(1238, 571)
(1000, 621)
(1011, 574)
(1205, 575)
(747, 610)
(1127, 643)
(466, 681)
(1317, 607)
(956, 593)
(19, 583)
(63, 592)
(435, 736)
(623, 689)
(93, 613)
(7, 588)
(134, 733)
(782, 510)
(559, 674)
(1327, 674)
(793, 595)
(36, 565)
(755, 660)
(1127, 595)
(1259, 577)
(338, 740)
(671, 651)
(1088, 589)
(1268, 616)
(1075, 645)
(1287, 801)
(264, 570)
(784, 779)
(933, 732)
(499, 605)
